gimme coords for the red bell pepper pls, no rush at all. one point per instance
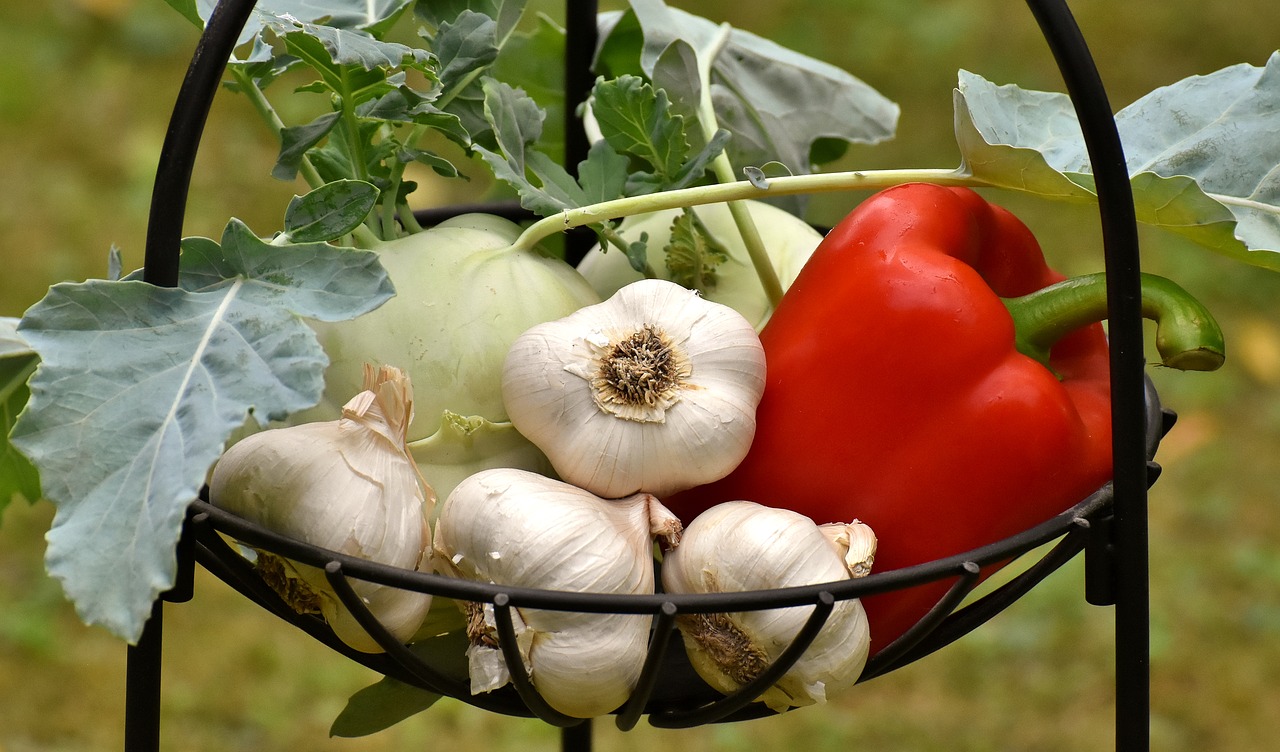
(896, 392)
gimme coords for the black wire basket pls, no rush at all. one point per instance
(1109, 525)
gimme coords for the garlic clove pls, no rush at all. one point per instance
(856, 544)
(653, 390)
(518, 528)
(740, 546)
(348, 486)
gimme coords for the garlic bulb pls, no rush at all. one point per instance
(518, 528)
(740, 545)
(653, 390)
(347, 485)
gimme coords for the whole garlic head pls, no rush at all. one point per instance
(740, 546)
(347, 485)
(653, 390)
(513, 527)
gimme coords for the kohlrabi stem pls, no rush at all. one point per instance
(789, 185)
(723, 170)
(1187, 336)
(612, 237)
(268, 113)
(407, 219)
(390, 204)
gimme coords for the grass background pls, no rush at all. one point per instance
(85, 91)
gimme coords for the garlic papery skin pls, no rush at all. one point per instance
(348, 486)
(513, 527)
(654, 390)
(740, 546)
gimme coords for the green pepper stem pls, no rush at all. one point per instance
(1187, 336)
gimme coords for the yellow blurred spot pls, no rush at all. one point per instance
(1256, 347)
(106, 10)
(1194, 430)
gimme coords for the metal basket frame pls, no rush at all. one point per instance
(1110, 526)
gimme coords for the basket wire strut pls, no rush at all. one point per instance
(1115, 543)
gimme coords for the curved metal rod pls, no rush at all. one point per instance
(664, 626)
(751, 691)
(182, 140)
(889, 658)
(520, 678)
(220, 560)
(1124, 304)
(974, 615)
(427, 677)
(551, 600)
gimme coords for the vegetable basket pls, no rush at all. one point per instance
(1109, 526)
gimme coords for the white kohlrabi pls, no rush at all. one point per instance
(788, 240)
(463, 295)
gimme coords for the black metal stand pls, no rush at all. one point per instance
(1110, 527)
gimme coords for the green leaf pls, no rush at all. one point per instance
(380, 706)
(1008, 135)
(637, 119)
(439, 164)
(603, 174)
(17, 362)
(775, 101)
(692, 170)
(1222, 131)
(463, 46)
(693, 253)
(1202, 154)
(330, 211)
(404, 105)
(372, 16)
(516, 121)
(188, 10)
(140, 386)
(297, 140)
(357, 48)
(344, 47)
(506, 13)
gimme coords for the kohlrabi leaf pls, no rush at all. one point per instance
(139, 387)
(329, 212)
(297, 140)
(404, 105)
(17, 362)
(516, 122)
(189, 10)
(463, 45)
(693, 253)
(776, 102)
(506, 13)
(483, 41)
(544, 186)
(603, 174)
(1222, 131)
(373, 16)
(637, 119)
(1019, 139)
(344, 47)
(1203, 154)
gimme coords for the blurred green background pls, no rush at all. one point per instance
(86, 87)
